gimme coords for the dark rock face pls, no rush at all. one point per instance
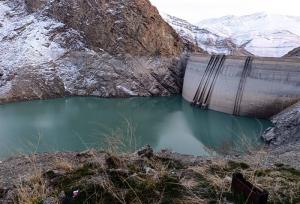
(101, 48)
(294, 53)
(130, 26)
(286, 128)
(31, 85)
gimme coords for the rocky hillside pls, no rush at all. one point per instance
(294, 53)
(283, 138)
(261, 34)
(203, 38)
(286, 128)
(95, 47)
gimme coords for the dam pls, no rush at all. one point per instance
(242, 86)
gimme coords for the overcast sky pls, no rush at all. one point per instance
(196, 10)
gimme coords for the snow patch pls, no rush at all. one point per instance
(206, 40)
(30, 38)
(32, 41)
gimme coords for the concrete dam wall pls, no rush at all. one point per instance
(245, 86)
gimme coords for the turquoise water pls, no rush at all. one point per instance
(75, 124)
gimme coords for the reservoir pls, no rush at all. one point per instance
(80, 123)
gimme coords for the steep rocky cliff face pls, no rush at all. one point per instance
(131, 26)
(95, 47)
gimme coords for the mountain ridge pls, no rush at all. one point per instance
(203, 38)
(260, 34)
(263, 34)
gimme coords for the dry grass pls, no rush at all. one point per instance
(33, 189)
(125, 179)
(283, 184)
(62, 164)
(119, 141)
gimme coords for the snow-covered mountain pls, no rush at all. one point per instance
(205, 39)
(261, 34)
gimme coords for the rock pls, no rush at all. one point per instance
(146, 151)
(50, 200)
(3, 192)
(62, 195)
(149, 170)
(54, 175)
(87, 153)
(286, 128)
(269, 135)
(294, 53)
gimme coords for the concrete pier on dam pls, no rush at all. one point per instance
(244, 86)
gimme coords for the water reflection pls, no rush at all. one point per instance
(74, 124)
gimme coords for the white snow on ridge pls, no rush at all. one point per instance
(261, 34)
(208, 41)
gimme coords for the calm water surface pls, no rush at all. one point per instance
(75, 124)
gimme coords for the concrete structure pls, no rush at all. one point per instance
(246, 86)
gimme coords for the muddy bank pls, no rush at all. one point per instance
(140, 177)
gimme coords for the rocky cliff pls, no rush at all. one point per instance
(286, 128)
(284, 137)
(95, 47)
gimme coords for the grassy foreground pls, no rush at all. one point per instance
(142, 177)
